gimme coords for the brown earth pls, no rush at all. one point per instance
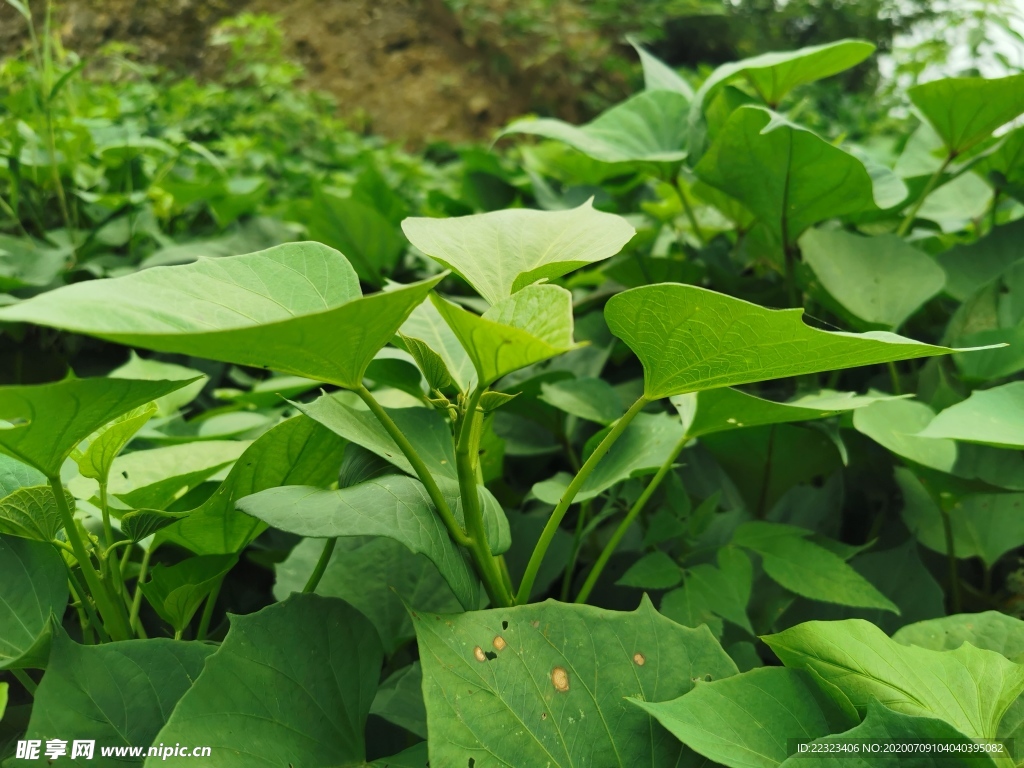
(399, 66)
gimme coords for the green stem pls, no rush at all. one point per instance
(692, 218)
(577, 543)
(908, 220)
(628, 520)
(454, 529)
(92, 621)
(954, 576)
(110, 609)
(211, 601)
(25, 680)
(137, 600)
(551, 528)
(894, 376)
(177, 634)
(466, 458)
(110, 563)
(321, 566)
(792, 292)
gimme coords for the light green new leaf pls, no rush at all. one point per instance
(140, 524)
(968, 688)
(745, 721)
(966, 110)
(14, 475)
(395, 506)
(990, 631)
(290, 684)
(588, 398)
(690, 339)
(985, 525)
(95, 461)
(378, 576)
(530, 326)
(154, 370)
(50, 420)
(658, 76)
(807, 569)
(989, 417)
(296, 451)
(647, 127)
(545, 684)
(773, 75)
(119, 694)
(294, 308)
(884, 726)
(31, 513)
(501, 252)
(724, 409)
(177, 591)
(33, 589)
(786, 175)
(896, 424)
(426, 324)
(645, 445)
(880, 279)
(430, 363)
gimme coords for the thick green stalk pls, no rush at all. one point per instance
(454, 529)
(111, 563)
(548, 534)
(211, 601)
(627, 521)
(908, 220)
(133, 620)
(466, 458)
(23, 678)
(321, 566)
(109, 607)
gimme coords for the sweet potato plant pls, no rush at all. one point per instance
(713, 451)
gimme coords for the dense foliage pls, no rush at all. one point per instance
(667, 439)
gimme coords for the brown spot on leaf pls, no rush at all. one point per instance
(560, 679)
(499, 643)
(478, 654)
(543, 715)
(640, 659)
(534, 624)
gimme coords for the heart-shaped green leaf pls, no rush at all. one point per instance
(32, 513)
(119, 694)
(530, 326)
(788, 176)
(649, 127)
(746, 721)
(501, 252)
(690, 339)
(290, 684)
(588, 398)
(14, 475)
(989, 417)
(33, 589)
(658, 76)
(968, 688)
(851, 268)
(426, 324)
(991, 631)
(296, 451)
(143, 523)
(895, 424)
(47, 421)
(295, 308)
(177, 591)
(966, 110)
(545, 684)
(395, 506)
(725, 409)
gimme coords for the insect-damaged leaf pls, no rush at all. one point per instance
(690, 339)
(292, 683)
(545, 684)
(294, 308)
(501, 252)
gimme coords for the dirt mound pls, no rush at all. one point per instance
(398, 66)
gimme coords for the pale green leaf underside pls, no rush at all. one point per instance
(31, 513)
(426, 324)
(745, 721)
(724, 409)
(528, 327)
(990, 417)
(33, 587)
(588, 398)
(966, 110)
(290, 684)
(500, 252)
(691, 339)
(545, 684)
(395, 506)
(895, 425)
(968, 688)
(95, 461)
(658, 76)
(880, 279)
(295, 308)
(649, 127)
